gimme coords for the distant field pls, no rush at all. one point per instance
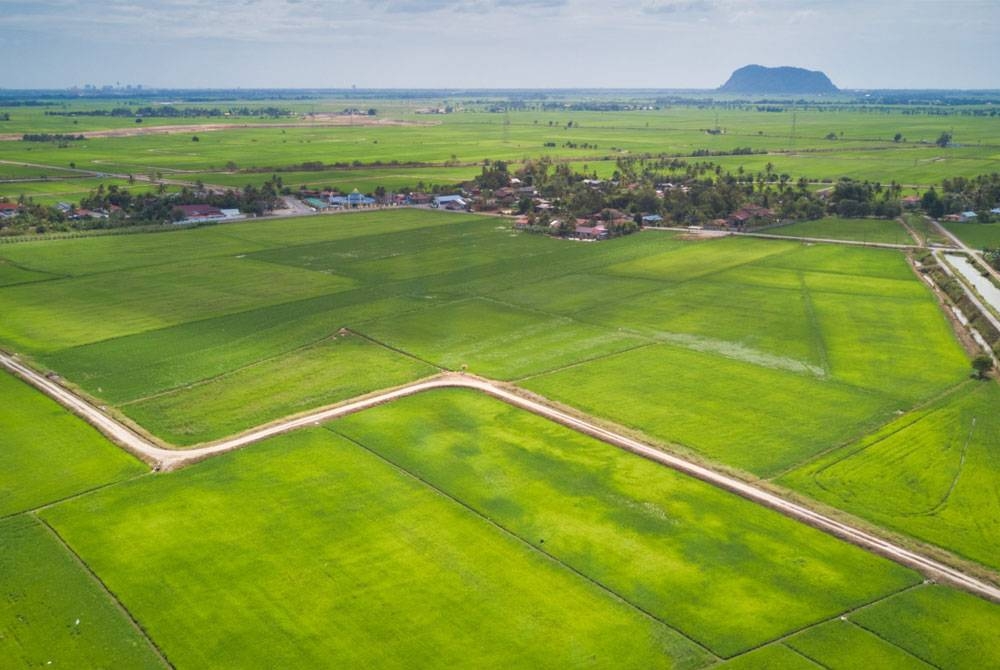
(12, 172)
(858, 230)
(931, 473)
(310, 551)
(55, 614)
(49, 454)
(454, 145)
(52, 191)
(977, 235)
(365, 180)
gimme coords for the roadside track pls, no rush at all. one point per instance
(168, 459)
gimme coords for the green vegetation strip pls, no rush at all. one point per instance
(309, 551)
(856, 230)
(49, 454)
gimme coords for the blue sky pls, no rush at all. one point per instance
(494, 43)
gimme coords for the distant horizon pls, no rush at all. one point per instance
(495, 44)
(142, 88)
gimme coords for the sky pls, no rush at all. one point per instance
(493, 43)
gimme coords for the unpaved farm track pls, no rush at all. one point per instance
(326, 121)
(169, 459)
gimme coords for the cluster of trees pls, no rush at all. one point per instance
(692, 193)
(146, 208)
(123, 208)
(51, 137)
(856, 199)
(962, 194)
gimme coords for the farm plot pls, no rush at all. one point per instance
(335, 369)
(11, 274)
(858, 230)
(841, 645)
(69, 312)
(308, 550)
(923, 627)
(931, 473)
(732, 411)
(977, 235)
(49, 454)
(132, 367)
(496, 340)
(54, 614)
(676, 547)
(944, 627)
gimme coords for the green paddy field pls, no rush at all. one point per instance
(449, 526)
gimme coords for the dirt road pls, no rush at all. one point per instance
(170, 459)
(320, 121)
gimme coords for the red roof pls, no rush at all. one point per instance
(190, 211)
(9, 206)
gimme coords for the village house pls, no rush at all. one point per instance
(352, 200)
(418, 199)
(748, 215)
(450, 202)
(9, 209)
(191, 213)
(598, 232)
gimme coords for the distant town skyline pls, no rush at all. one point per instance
(494, 43)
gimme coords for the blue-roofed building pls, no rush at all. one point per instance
(352, 199)
(967, 216)
(652, 219)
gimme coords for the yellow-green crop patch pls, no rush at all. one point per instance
(55, 615)
(49, 454)
(309, 551)
(771, 657)
(841, 645)
(931, 473)
(699, 259)
(678, 548)
(944, 627)
(857, 230)
(758, 418)
(495, 339)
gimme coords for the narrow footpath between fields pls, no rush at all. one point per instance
(167, 459)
